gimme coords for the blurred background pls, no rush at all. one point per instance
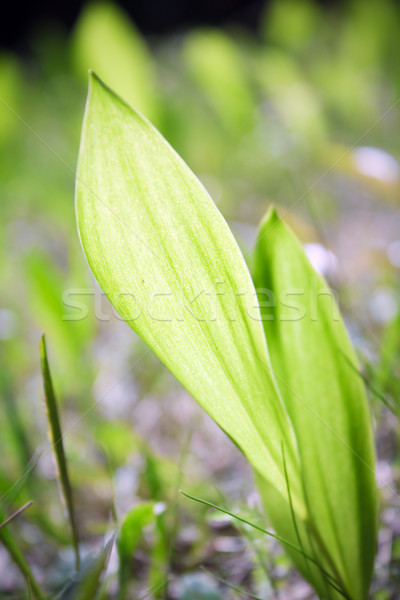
(295, 103)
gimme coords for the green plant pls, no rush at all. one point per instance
(281, 383)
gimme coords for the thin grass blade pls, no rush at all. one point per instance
(8, 541)
(55, 434)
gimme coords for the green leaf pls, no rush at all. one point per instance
(291, 24)
(91, 578)
(217, 67)
(168, 262)
(129, 536)
(45, 289)
(107, 41)
(313, 362)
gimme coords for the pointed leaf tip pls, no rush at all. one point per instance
(270, 218)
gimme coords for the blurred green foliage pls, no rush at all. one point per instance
(273, 117)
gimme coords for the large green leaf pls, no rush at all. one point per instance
(315, 368)
(167, 261)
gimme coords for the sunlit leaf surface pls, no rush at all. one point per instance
(167, 261)
(316, 370)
